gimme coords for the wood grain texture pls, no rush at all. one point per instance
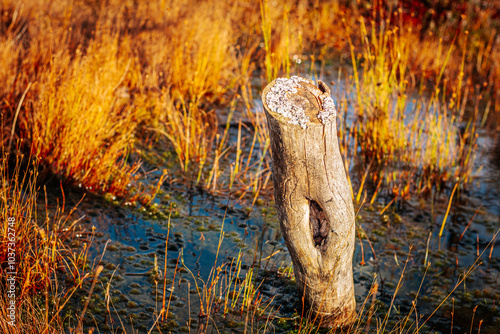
(314, 206)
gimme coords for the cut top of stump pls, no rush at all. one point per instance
(300, 101)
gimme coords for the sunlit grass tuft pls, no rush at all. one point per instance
(83, 125)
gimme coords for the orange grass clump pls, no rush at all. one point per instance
(82, 124)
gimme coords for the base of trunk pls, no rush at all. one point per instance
(343, 318)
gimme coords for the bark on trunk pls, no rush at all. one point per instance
(312, 196)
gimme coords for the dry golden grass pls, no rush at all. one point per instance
(82, 122)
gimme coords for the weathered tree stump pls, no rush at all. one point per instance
(312, 196)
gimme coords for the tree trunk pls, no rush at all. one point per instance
(312, 196)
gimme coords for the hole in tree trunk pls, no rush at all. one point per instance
(322, 87)
(319, 225)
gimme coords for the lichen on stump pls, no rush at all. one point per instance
(312, 196)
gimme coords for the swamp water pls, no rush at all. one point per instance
(248, 278)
